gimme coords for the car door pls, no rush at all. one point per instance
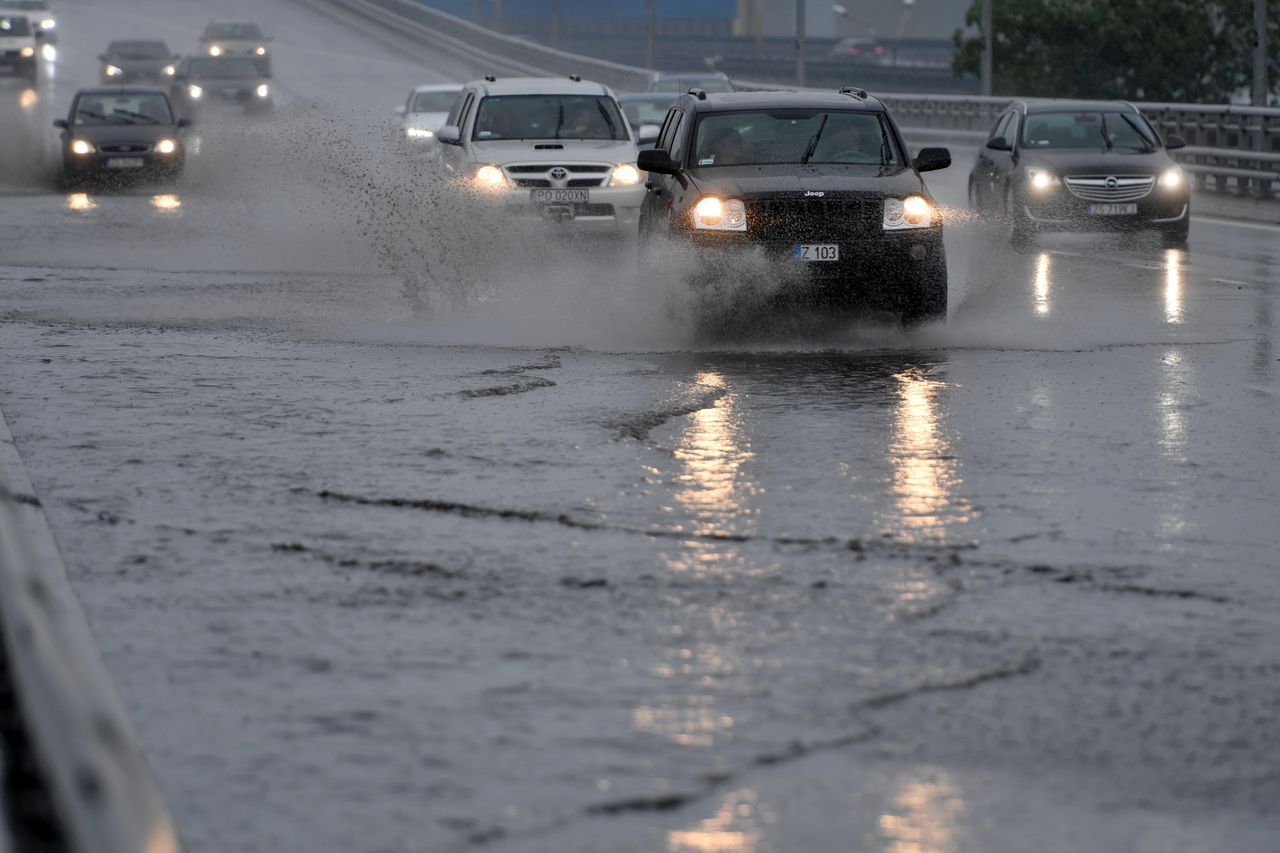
(655, 209)
(1004, 162)
(984, 171)
(456, 158)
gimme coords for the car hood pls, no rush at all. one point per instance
(219, 83)
(1099, 162)
(135, 66)
(747, 181)
(574, 151)
(106, 134)
(427, 121)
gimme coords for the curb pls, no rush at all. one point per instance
(100, 785)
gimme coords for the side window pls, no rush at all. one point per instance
(678, 135)
(1011, 130)
(1000, 125)
(455, 112)
(464, 115)
(668, 130)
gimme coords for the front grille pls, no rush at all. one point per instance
(814, 219)
(1110, 187)
(532, 182)
(125, 148)
(542, 169)
(586, 182)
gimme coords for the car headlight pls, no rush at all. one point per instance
(263, 90)
(215, 50)
(714, 214)
(1172, 178)
(79, 146)
(169, 71)
(114, 71)
(914, 211)
(1041, 180)
(28, 51)
(166, 146)
(490, 178)
(48, 24)
(418, 133)
(261, 51)
(195, 92)
(624, 175)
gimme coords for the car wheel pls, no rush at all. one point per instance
(1020, 231)
(926, 296)
(1175, 236)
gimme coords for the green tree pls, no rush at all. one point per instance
(1153, 50)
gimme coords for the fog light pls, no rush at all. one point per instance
(79, 146)
(166, 146)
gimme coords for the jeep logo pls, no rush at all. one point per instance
(814, 194)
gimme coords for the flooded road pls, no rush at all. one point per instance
(542, 569)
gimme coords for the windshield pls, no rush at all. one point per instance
(549, 117)
(17, 26)
(794, 136)
(233, 32)
(1089, 129)
(139, 50)
(31, 5)
(228, 69)
(648, 111)
(434, 102)
(142, 108)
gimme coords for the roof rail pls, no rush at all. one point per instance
(700, 94)
(854, 92)
(577, 78)
(490, 78)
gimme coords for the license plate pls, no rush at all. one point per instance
(1113, 209)
(817, 252)
(560, 196)
(124, 162)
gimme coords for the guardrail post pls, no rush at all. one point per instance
(800, 39)
(1261, 90)
(988, 45)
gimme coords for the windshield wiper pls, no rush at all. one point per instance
(613, 131)
(1147, 144)
(813, 143)
(147, 118)
(559, 120)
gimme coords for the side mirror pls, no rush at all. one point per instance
(647, 134)
(657, 161)
(102, 57)
(998, 143)
(1173, 142)
(60, 123)
(932, 159)
(184, 122)
(449, 135)
(401, 110)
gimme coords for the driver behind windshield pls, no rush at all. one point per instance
(143, 109)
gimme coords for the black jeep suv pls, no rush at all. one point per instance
(820, 180)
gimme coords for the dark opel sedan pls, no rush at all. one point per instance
(820, 182)
(202, 84)
(1080, 165)
(136, 62)
(120, 132)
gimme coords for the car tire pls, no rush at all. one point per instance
(926, 295)
(1175, 236)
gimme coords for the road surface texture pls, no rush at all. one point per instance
(401, 531)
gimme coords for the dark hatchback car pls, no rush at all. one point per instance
(823, 181)
(137, 62)
(237, 38)
(121, 132)
(236, 83)
(1080, 165)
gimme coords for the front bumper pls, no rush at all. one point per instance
(98, 164)
(13, 64)
(222, 101)
(1059, 210)
(608, 209)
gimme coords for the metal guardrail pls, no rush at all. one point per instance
(1230, 149)
(100, 788)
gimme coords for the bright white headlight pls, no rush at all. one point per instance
(215, 50)
(169, 71)
(625, 175)
(28, 51)
(1172, 178)
(490, 178)
(48, 24)
(714, 214)
(263, 90)
(261, 51)
(114, 71)
(418, 133)
(195, 92)
(166, 146)
(914, 211)
(79, 146)
(1041, 179)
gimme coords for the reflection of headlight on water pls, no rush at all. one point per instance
(81, 201)
(418, 133)
(49, 52)
(166, 202)
(28, 99)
